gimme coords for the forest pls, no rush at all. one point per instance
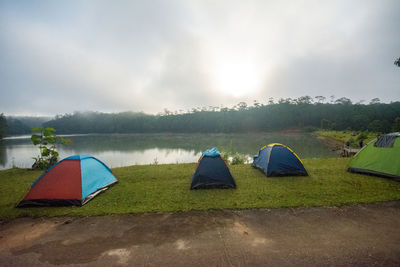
(3, 125)
(301, 113)
(18, 125)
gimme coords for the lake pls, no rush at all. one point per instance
(117, 150)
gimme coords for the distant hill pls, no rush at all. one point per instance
(17, 125)
(302, 113)
(287, 114)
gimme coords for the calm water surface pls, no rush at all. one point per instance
(117, 150)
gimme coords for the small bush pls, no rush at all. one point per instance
(233, 158)
(353, 142)
(225, 155)
(237, 159)
(46, 139)
(362, 136)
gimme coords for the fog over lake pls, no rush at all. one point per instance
(117, 150)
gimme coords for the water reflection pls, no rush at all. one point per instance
(127, 149)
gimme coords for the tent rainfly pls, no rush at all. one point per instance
(279, 160)
(212, 172)
(380, 157)
(72, 181)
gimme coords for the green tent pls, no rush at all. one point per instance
(379, 157)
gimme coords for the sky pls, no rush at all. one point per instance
(58, 57)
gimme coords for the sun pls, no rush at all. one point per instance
(237, 78)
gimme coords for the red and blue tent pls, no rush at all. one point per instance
(72, 181)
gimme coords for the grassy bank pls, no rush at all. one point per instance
(340, 137)
(161, 188)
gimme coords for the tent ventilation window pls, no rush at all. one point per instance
(386, 140)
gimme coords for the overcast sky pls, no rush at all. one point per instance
(63, 56)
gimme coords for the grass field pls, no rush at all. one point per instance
(160, 188)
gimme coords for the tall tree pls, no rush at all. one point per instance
(3, 125)
(375, 101)
(397, 62)
(320, 98)
(343, 101)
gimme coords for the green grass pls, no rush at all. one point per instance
(342, 136)
(160, 188)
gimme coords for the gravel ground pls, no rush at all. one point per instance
(367, 234)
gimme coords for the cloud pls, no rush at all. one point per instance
(151, 55)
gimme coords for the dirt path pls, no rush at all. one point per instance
(359, 234)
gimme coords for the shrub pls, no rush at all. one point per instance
(362, 136)
(233, 158)
(237, 159)
(353, 142)
(46, 139)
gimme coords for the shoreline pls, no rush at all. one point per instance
(331, 143)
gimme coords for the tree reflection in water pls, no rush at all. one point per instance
(127, 149)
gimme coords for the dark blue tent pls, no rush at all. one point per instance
(212, 172)
(279, 160)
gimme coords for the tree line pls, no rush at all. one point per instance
(302, 113)
(3, 125)
(19, 125)
(285, 114)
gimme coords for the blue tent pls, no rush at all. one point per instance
(72, 181)
(212, 172)
(279, 160)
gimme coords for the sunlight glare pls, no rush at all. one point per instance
(237, 78)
